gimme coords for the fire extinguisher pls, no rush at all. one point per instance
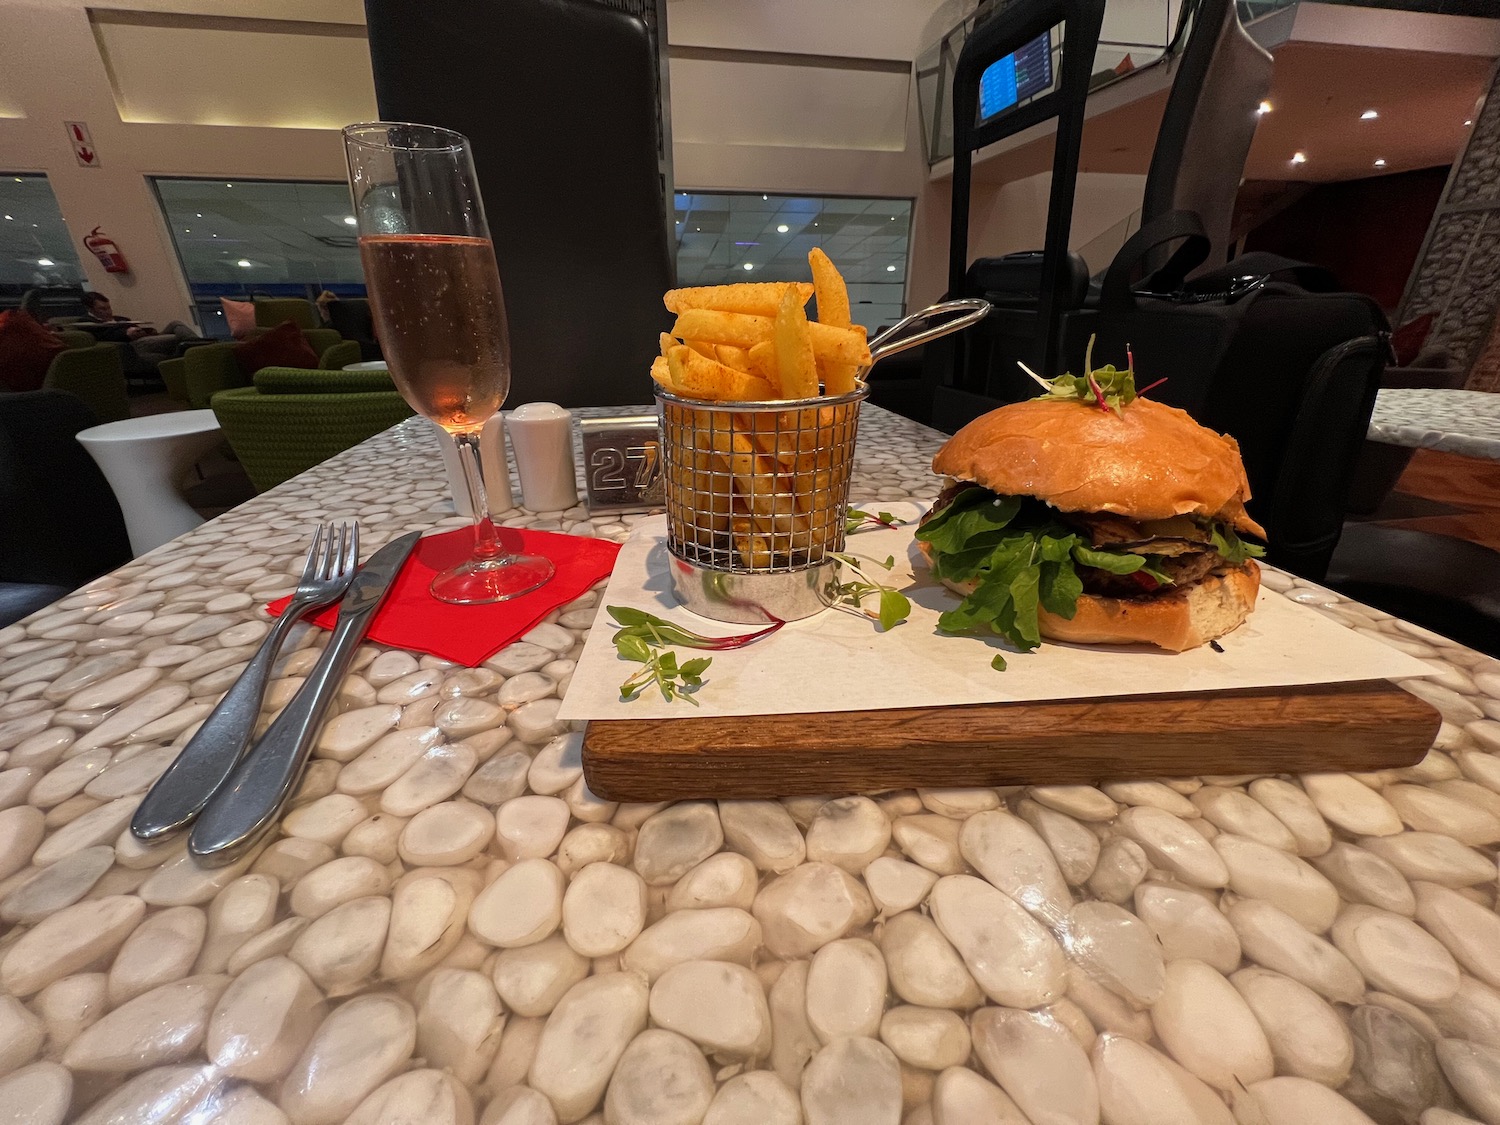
(107, 252)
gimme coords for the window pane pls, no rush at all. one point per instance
(724, 238)
(35, 249)
(266, 238)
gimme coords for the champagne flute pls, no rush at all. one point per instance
(435, 292)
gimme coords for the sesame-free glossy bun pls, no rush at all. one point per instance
(1147, 462)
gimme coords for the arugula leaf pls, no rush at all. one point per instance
(1234, 549)
(974, 511)
(998, 664)
(1108, 560)
(895, 608)
(1060, 589)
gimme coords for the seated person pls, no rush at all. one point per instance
(148, 345)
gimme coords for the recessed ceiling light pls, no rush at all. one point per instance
(243, 263)
(19, 180)
(765, 197)
(45, 262)
(350, 220)
(1369, 115)
(1299, 158)
(229, 185)
(1263, 109)
(1380, 162)
(782, 229)
(748, 266)
(890, 269)
(10, 218)
(186, 230)
(199, 214)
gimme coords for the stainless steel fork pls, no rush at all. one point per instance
(180, 794)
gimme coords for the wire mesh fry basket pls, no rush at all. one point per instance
(758, 492)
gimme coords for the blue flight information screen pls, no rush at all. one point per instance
(1023, 74)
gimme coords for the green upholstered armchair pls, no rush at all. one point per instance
(322, 339)
(173, 373)
(340, 355)
(76, 338)
(210, 368)
(271, 311)
(291, 419)
(95, 375)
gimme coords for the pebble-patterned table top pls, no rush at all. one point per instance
(1466, 422)
(449, 927)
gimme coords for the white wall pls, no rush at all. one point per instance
(257, 89)
(54, 71)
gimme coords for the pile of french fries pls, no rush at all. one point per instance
(760, 488)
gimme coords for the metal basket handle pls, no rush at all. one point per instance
(894, 338)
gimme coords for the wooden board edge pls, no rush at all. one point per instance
(1358, 726)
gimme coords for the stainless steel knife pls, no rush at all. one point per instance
(253, 797)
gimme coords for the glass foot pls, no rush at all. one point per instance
(481, 581)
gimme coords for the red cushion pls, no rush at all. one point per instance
(239, 316)
(282, 346)
(1407, 340)
(26, 351)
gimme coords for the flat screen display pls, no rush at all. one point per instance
(1018, 76)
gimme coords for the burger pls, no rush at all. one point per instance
(1096, 516)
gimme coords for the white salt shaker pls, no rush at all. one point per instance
(542, 433)
(492, 457)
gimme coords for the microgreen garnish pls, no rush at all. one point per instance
(856, 520)
(849, 596)
(662, 670)
(1104, 387)
(639, 623)
(998, 664)
(644, 637)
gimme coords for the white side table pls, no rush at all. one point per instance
(142, 459)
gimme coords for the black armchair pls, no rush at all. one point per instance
(59, 522)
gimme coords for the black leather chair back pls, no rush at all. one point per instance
(59, 522)
(1208, 124)
(558, 99)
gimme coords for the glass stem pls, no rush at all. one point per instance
(486, 542)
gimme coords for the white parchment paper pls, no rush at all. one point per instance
(838, 662)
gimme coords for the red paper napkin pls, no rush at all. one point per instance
(412, 618)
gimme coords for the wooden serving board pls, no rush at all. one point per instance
(1360, 726)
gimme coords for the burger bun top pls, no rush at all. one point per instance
(1148, 461)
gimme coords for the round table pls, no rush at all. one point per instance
(1452, 421)
(142, 459)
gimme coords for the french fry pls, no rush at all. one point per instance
(737, 358)
(661, 371)
(829, 341)
(761, 298)
(794, 354)
(758, 486)
(701, 377)
(833, 294)
(753, 548)
(833, 308)
(763, 363)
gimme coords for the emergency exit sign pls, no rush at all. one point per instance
(83, 144)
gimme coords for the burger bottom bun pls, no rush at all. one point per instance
(1180, 620)
(1175, 621)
